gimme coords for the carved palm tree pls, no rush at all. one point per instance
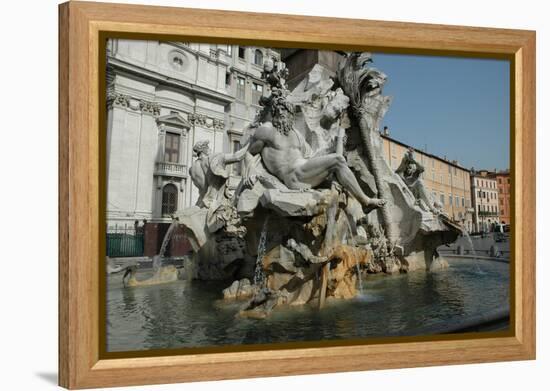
(363, 85)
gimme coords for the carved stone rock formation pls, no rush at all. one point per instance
(162, 275)
(239, 290)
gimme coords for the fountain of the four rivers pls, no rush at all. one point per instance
(318, 210)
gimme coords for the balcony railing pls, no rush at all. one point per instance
(171, 169)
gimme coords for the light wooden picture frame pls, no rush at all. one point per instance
(83, 26)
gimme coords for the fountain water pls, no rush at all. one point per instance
(469, 239)
(157, 261)
(162, 274)
(473, 250)
(259, 276)
(359, 278)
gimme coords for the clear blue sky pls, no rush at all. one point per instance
(456, 107)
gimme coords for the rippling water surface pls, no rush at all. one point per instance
(191, 314)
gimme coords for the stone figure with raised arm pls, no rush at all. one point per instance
(209, 172)
(275, 74)
(410, 171)
(282, 151)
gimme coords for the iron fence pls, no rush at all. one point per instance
(124, 241)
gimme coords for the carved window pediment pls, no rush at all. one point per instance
(174, 121)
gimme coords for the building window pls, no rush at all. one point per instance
(450, 200)
(257, 92)
(172, 148)
(169, 199)
(240, 88)
(178, 60)
(258, 57)
(442, 198)
(242, 52)
(237, 166)
(228, 79)
(457, 201)
(463, 204)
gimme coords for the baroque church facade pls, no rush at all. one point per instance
(162, 98)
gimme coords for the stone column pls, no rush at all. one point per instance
(120, 133)
(181, 196)
(189, 159)
(183, 160)
(162, 140)
(183, 147)
(157, 213)
(146, 152)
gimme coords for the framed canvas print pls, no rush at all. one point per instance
(247, 195)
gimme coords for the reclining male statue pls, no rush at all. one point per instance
(282, 151)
